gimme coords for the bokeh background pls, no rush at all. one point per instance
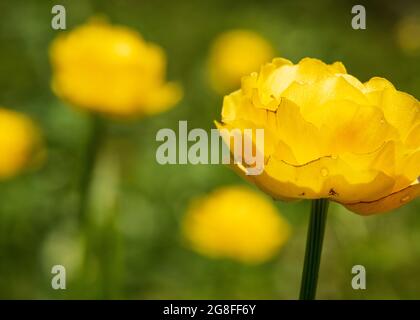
(142, 254)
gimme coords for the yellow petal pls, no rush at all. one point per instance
(310, 96)
(311, 70)
(411, 166)
(377, 84)
(401, 110)
(271, 83)
(238, 107)
(388, 203)
(344, 126)
(354, 82)
(293, 128)
(413, 138)
(326, 177)
(270, 140)
(337, 67)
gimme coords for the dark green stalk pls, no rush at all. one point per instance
(94, 141)
(93, 145)
(313, 251)
(101, 267)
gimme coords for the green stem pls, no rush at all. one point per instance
(93, 145)
(313, 251)
(102, 252)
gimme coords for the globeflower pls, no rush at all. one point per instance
(330, 136)
(111, 70)
(19, 142)
(236, 223)
(234, 54)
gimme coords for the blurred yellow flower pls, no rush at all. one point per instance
(408, 34)
(327, 135)
(237, 223)
(19, 139)
(111, 70)
(235, 54)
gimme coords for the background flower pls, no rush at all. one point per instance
(407, 31)
(235, 222)
(112, 70)
(234, 54)
(327, 135)
(19, 141)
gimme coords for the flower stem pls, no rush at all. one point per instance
(102, 256)
(313, 251)
(93, 145)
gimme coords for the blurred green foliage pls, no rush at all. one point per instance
(142, 254)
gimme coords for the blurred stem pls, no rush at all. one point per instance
(100, 277)
(93, 145)
(313, 251)
(92, 281)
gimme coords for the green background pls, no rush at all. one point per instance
(139, 252)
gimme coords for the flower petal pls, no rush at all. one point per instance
(310, 96)
(344, 125)
(293, 128)
(388, 203)
(401, 110)
(238, 107)
(323, 178)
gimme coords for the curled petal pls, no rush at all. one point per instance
(388, 203)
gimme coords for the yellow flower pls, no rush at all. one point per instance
(327, 135)
(19, 139)
(111, 70)
(237, 223)
(234, 54)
